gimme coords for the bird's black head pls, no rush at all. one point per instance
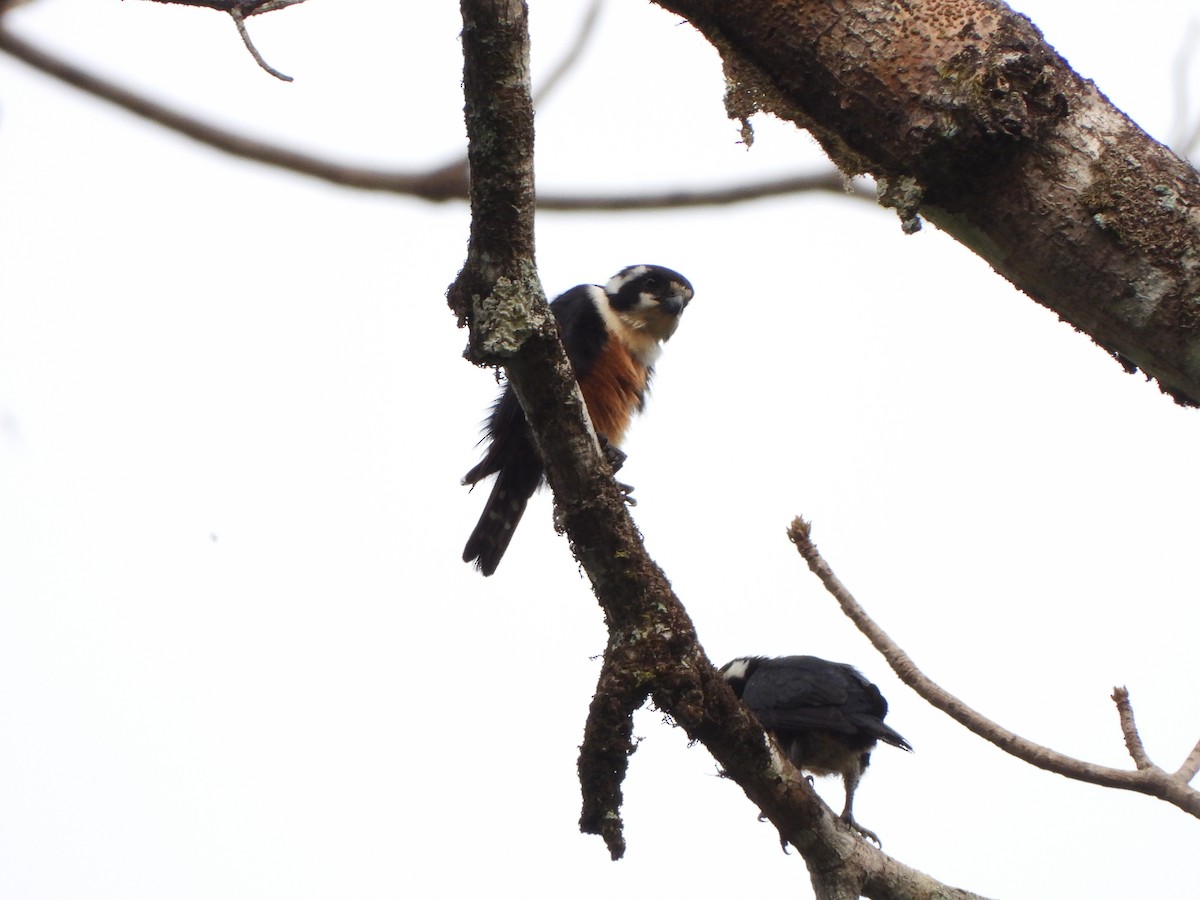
(737, 672)
(649, 298)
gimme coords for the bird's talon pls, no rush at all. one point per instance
(627, 490)
(865, 833)
(613, 454)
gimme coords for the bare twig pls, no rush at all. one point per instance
(1133, 740)
(1150, 780)
(828, 182)
(239, 19)
(572, 56)
(239, 11)
(1190, 766)
(447, 182)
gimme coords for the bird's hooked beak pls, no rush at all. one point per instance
(674, 302)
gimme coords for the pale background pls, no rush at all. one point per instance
(239, 656)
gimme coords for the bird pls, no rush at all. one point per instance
(613, 336)
(826, 717)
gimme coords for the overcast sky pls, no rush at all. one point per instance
(239, 655)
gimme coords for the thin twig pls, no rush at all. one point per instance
(1152, 780)
(1133, 740)
(571, 57)
(1190, 766)
(239, 19)
(831, 182)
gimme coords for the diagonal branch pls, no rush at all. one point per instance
(653, 649)
(1146, 779)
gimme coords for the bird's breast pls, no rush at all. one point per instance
(613, 390)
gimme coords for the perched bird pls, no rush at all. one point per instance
(613, 335)
(826, 717)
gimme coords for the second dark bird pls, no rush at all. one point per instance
(825, 716)
(613, 335)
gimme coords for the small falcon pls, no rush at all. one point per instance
(826, 717)
(613, 335)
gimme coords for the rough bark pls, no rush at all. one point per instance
(967, 116)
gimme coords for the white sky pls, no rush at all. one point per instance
(239, 656)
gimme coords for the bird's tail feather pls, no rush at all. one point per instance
(503, 510)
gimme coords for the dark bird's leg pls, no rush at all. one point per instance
(851, 781)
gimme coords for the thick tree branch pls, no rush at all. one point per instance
(965, 115)
(446, 182)
(1146, 779)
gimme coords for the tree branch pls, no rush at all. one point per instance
(652, 649)
(1146, 779)
(446, 182)
(965, 115)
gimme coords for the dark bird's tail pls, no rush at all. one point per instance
(503, 510)
(889, 735)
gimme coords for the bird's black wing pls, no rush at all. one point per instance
(580, 326)
(511, 453)
(800, 693)
(509, 438)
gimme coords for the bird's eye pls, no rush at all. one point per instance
(650, 283)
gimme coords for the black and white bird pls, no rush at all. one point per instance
(613, 336)
(825, 716)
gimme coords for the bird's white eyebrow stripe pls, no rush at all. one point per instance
(623, 278)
